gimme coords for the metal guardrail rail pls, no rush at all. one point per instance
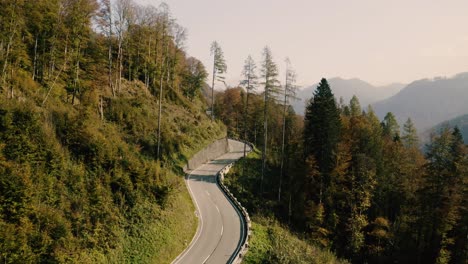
(244, 245)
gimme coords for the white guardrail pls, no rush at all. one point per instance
(244, 245)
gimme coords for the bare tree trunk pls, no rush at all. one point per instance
(5, 64)
(42, 62)
(163, 59)
(147, 78)
(130, 62)
(56, 77)
(119, 59)
(137, 64)
(12, 92)
(35, 59)
(111, 84)
(159, 116)
(51, 64)
(12, 31)
(245, 125)
(282, 144)
(125, 47)
(53, 48)
(107, 25)
(265, 139)
(212, 90)
(76, 80)
(101, 107)
(285, 102)
(123, 10)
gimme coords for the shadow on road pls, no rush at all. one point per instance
(203, 178)
(222, 161)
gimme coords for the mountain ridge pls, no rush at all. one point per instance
(428, 102)
(346, 88)
(461, 122)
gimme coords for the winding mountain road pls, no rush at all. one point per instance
(220, 229)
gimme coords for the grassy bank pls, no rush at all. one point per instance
(271, 241)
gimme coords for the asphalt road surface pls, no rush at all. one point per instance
(220, 228)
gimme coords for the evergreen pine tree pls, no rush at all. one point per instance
(390, 126)
(355, 106)
(410, 135)
(443, 194)
(322, 127)
(249, 82)
(289, 91)
(322, 130)
(271, 85)
(219, 67)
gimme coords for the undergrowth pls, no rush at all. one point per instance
(76, 187)
(271, 241)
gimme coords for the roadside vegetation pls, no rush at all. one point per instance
(272, 241)
(97, 119)
(350, 183)
(76, 188)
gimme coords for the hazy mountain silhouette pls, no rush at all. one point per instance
(461, 122)
(346, 88)
(429, 101)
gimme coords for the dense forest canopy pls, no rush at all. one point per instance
(354, 184)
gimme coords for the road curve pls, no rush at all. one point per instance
(220, 228)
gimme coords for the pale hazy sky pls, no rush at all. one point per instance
(374, 40)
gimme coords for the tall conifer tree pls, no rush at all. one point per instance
(271, 85)
(289, 91)
(355, 106)
(322, 127)
(410, 135)
(219, 67)
(249, 82)
(322, 131)
(390, 126)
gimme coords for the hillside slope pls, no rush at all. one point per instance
(461, 122)
(78, 189)
(82, 179)
(428, 102)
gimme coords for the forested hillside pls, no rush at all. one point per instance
(461, 122)
(428, 102)
(100, 108)
(349, 182)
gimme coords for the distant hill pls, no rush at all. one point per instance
(429, 101)
(346, 88)
(461, 122)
